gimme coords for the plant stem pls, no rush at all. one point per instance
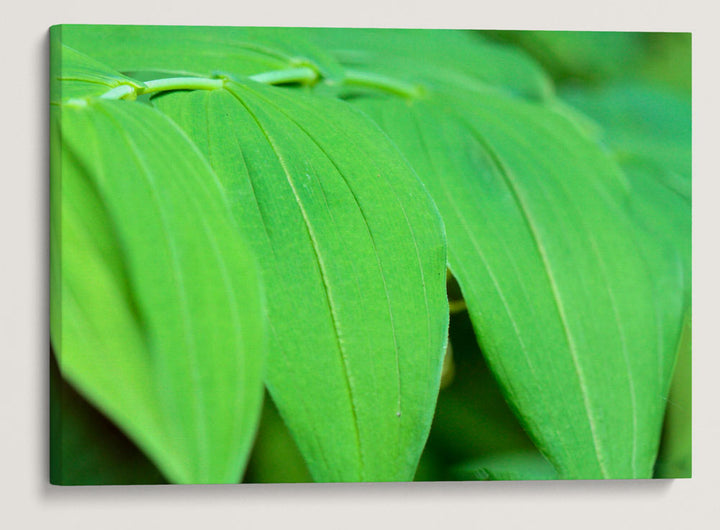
(119, 92)
(162, 85)
(291, 75)
(381, 82)
(303, 74)
(180, 83)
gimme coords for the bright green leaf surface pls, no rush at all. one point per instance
(576, 274)
(559, 295)
(158, 317)
(353, 254)
(662, 217)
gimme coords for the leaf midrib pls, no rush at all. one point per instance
(511, 184)
(323, 273)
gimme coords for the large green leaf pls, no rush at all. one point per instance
(648, 131)
(196, 50)
(662, 217)
(548, 261)
(157, 316)
(434, 57)
(353, 254)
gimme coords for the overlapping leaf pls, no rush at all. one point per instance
(548, 264)
(576, 274)
(196, 50)
(86, 448)
(648, 131)
(580, 55)
(434, 57)
(473, 426)
(75, 75)
(158, 315)
(353, 254)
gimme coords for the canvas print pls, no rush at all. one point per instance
(368, 255)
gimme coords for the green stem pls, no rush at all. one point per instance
(162, 85)
(381, 82)
(180, 83)
(291, 75)
(119, 92)
(303, 74)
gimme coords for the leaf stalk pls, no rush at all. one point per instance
(303, 74)
(381, 82)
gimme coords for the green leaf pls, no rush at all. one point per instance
(435, 57)
(158, 316)
(548, 262)
(196, 50)
(648, 130)
(642, 122)
(353, 254)
(662, 217)
(675, 456)
(86, 448)
(590, 56)
(472, 419)
(75, 75)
